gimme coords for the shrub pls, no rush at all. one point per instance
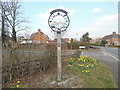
(75, 45)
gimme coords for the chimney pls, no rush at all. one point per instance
(114, 33)
(39, 30)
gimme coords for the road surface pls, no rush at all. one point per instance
(108, 56)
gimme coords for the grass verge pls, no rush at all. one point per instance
(93, 73)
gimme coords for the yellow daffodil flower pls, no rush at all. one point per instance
(69, 65)
(82, 71)
(17, 86)
(18, 81)
(88, 70)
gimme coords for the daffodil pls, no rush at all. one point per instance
(71, 59)
(17, 86)
(88, 70)
(18, 81)
(82, 70)
(70, 65)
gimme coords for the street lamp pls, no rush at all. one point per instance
(58, 21)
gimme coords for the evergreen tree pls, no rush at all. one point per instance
(85, 37)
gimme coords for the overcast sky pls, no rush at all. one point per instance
(97, 18)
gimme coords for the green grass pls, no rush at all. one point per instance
(99, 76)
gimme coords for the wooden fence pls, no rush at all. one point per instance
(27, 60)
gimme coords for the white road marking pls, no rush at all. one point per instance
(113, 57)
(105, 53)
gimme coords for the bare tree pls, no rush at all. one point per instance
(27, 35)
(3, 20)
(14, 18)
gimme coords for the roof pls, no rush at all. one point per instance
(65, 39)
(32, 35)
(118, 36)
(114, 35)
(108, 37)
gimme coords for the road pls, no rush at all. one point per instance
(112, 51)
(108, 56)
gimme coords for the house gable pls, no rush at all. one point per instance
(39, 37)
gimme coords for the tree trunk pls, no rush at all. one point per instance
(14, 34)
(3, 31)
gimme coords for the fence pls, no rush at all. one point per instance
(23, 60)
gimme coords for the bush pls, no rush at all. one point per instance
(94, 44)
(75, 45)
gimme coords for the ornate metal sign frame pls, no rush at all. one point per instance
(55, 13)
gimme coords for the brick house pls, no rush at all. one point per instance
(39, 37)
(95, 40)
(116, 40)
(65, 40)
(112, 39)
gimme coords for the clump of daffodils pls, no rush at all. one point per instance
(84, 63)
(80, 65)
(70, 65)
(71, 61)
(18, 84)
(86, 71)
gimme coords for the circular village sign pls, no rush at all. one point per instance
(58, 21)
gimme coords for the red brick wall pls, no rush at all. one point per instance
(115, 39)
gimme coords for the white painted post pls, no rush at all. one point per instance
(0, 62)
(59, 56)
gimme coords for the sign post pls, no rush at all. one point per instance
(59, 56)
(58, 21)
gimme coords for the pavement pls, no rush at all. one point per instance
(108, 56)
